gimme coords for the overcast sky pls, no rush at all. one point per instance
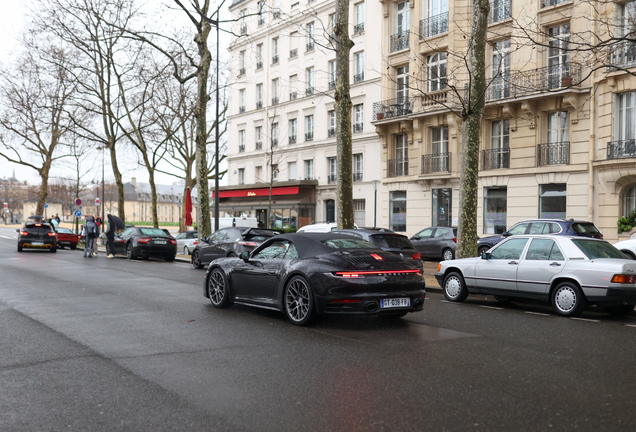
(12, 22)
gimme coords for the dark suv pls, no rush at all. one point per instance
(543, 226)
(37, 235)
(228, 242)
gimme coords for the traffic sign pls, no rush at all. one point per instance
(96, 201)
(78, 213)
(78, 202)
(5, 205)
(46, 205)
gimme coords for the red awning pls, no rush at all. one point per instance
(285, 190)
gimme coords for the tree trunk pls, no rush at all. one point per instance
(153, 191)
(118, 181)
(343, 116)
(471, 132)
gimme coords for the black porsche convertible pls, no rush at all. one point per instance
(317, 273)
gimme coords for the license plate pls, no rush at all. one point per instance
(395, 302)
(65, 242)
(37, 243)
(160, 242)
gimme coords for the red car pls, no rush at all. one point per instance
(66, 237)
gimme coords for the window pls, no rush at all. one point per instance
(291, 170)
(274, 134)
(242, 62)
(626, 19)
(331, 25)
(402, 22)
(310, 36)
(557, 130)
(258, 134)
(242, 101)
(309, 75)
(309, 169)
(333, 170)
(293, 87)
(495, 210)
(435, 18)
(442, 207)
(359, 11)
(436, 70)
(358, 115)
(241, 176)
(259, 56)
(258, 173)
(500, 69)
(275, 50)
(556, 149)
(510, 250)
(401, 161)
(331, 115)
(260, 8)
(498, 156)
(243, 21)
(558, 58)
(275, 251)
(552, 201)
(359, 212)
(357, 167)
(359, 62)
(439, 146)
(309, 127)
(274, 172)
(332, 74)
(402, 83)
(397, 211)
(241, 140)
(293, 130)
(259, 96)
(275, 91)
(499, 10)
(625, 122)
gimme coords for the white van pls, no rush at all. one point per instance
(321, 227)
(225, 222)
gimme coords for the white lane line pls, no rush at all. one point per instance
(536, 313)
(585, 319)
(630, 325)
(491, 307)
(10, 238)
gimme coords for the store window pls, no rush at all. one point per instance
(629, 201)
(442, 207)
(552, 201)
(397, 211)
(495, 210)
(359, 212)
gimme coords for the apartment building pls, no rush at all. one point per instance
(559, 130)
(282, 126)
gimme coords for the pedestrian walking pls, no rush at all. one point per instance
(90, 232)
(110, 235)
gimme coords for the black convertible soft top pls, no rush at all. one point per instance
(310, 244)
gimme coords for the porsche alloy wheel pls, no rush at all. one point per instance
(299, 302)
(217, 288)
(196, 260)
(129, 252)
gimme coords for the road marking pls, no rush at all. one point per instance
(536, 313)
(585, 319)
(10, 238)
(491, 307)
(630, 325)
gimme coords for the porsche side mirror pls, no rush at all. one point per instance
(485, 255)
(245, 256)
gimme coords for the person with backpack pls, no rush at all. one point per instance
(90, 232)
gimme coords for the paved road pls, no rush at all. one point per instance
(106, 345)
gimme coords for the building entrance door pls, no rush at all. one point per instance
(330, 206)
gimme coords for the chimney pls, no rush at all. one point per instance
(133, 181)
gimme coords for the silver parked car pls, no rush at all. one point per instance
(570, 272)
(187, 241)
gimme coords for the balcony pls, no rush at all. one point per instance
(243, 29)
(400, 41)
(436, 163)
(259, 64)
(261, 21)
(309, 91)
(331, 132)
(309, 136)
(358, 28)
(498, 158)
(392, 108)
(311, 177)
(275, 101)
(397, 168)
(310, 46)
(549, 78)
(357, 176)
(621, 149)
(242, 71)
(434, 100)
(241, 110)
(332, 85)
(623, 55)
(258, 146)
(434, 26)
(259, 104)
(241, 148)
(358, 77)
(275, 59)
(293, 53)
(357, 127)
(553, 154)
(293, 95)
(332, 178)
(548, 3)
(274, 142)
(499, 11)
(292, 139)
(276, 15)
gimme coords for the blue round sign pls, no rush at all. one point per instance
(78, 213)
(46, 205)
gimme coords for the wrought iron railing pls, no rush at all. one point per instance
(499, 11)
(274, 59)
(397, 167)
(332, 85)
(293, 53)
(293, 95)
(358, 77)
(331, 132)
(332, 178)
(358, 28)
(241, 71)
(547, 3)
(261, 21)
(357, 127)
(533, 81)
(435, 163)
(622, 55)
(241, 110)
(309, 178)
(400, 41)
(621, 149)
(434, 25)
(243, 28)
(309, 91)
(310, 46)
(553, 154)
(241, 148)
(357, 176)
(258, 146)
(498, 158)
(275, 101)
(292, 139)
(276, 15)
(309, 136)
(392, 108)
(274, 142)
(259, 64)
(259, 104)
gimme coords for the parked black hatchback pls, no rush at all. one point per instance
(37, 235)
(228, 242)
(570, 227)
(389, 241)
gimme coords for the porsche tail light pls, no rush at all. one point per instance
(247, 243)
(52, 234)
(624, 279)
(417, 256)
(174, 242)
(363, 273)
(345, 301)
(144, 240)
